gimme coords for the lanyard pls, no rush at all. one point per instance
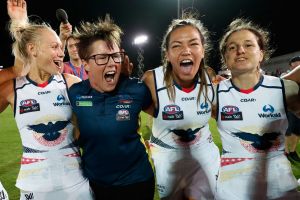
(75, 71)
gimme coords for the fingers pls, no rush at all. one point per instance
(24, 5)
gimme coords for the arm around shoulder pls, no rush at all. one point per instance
(293, 75)
(148, 79)
(292, 96)
(71, 79)
(7, 95)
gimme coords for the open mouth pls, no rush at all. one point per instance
(109, 76)
(186, 63)
(58, 63)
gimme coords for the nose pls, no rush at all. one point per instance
(61, 53)
(186, 50)
(110, 61)
(240, 49)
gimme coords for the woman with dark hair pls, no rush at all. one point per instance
(185, 157)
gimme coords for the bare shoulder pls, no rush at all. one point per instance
(71, 79)
(291, 88)
(148, 75)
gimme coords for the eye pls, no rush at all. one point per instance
(195, 44)
(231, 48)
(174, 46)
(249, 45)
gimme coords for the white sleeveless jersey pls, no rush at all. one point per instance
(50, 160)
(183, 123)
(246, 120)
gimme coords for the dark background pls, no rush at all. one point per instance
(281, 18)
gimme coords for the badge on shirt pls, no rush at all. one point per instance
(172, 112)
(84, 101)
(123, 115)
(29, 105)
(231, 113)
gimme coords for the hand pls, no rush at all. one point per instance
(17, 10)
(65, 30)
(127, 66)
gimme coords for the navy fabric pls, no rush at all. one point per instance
(113, 154)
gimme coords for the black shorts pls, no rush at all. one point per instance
(137, 191)
(294, 125)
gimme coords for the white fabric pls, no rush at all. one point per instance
(188, 167)
(50, 161)
(242, 120)
(80, 191)
(3, 193)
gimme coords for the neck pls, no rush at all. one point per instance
(246, 81)
(184, 83)
(76, 62)
(38, 76)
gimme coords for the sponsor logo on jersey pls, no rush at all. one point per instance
(80, 97)
(44, 92)
(246, 100)
(61, 101)
(123, 106)
(84, 100)
(204, 109)
(3, 195)
(188, 98)
(229, 113)
(172, 112)
(29, 105)
(125, 99)
(123, 115)
(29, 196)
(268, 112)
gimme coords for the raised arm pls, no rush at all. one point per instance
(17, 11)
(65, 30)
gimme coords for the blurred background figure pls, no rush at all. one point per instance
(293, 131)
(74, 65)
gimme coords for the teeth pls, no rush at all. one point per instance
(110, 73)
(186, 61)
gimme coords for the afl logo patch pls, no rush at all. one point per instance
(172, 112)
(123, 115)
(231, 113)
(29, 105)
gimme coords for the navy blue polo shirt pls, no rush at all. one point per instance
(113, 154)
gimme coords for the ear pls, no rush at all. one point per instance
(32, 49)
(85, 65)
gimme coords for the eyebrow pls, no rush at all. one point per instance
(191, 40)
(243, 41)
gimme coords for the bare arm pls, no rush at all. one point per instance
(71, 79)
(17, 11)
(149, 81)
(65, 30)
(292, 96)
(3, 104)
(76, 132)
(293, 75)
(7, 95)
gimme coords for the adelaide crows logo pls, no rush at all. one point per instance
(186, 137)
(50, 134)
(255, 142)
